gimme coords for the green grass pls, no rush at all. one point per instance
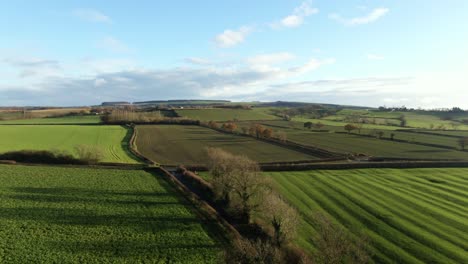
(80, 215)
(55, 120)
(221, 114)
(344, 143)
(417, 119)
(409, 215)
(112, 140)
(174, 145)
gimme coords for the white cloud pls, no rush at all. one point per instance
(373, 16)
(297, 17)
(311, 65)
(231, 38)
(114, 45)
(272, 58)
(371, 56)
(197, 61)
(33, 66)
(91, 15)
(99, 82)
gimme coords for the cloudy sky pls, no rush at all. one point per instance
(357, 52)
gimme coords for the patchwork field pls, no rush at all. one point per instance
(174, 145)
(409, 216)
(77, 215)
(222, 114)
(112, 140)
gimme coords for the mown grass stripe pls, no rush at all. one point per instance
(416, 242)
(356, 219)
(450, 240)
(423, 200)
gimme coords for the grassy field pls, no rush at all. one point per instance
(112, 140)
(174, 145)
(78, 215)
(414, 119)
(222, 114)
(54, 120)
(344, 143)
(409, 215)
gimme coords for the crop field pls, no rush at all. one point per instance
(414, 119)
(54, 120)
(112, 140)
(174, 145)
(409, 215)
(344, 143)
(78, 215)
(222, 114)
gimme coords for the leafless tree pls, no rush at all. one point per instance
(335, 245)
(283, 218)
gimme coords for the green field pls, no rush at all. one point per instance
(112, 140)
(54, 120)
(174, 145)
(417, 119)
(78, 215)
(222, 114)
(409, 215)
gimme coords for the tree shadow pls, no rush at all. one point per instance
(153, 220)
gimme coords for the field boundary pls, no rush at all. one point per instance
(434, 134)
(405, 141)
(133, 148)
(204, 210)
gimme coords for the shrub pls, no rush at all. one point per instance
(89, 154)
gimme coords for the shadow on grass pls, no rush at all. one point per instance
(145, 225)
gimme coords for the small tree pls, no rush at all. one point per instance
(463, 142)
(392, 136)
(267, 133)
(213, 124)
(403, 121)
(350, 127)
(252, 252)
(319, 126)
(282, 136)
(335, 245)
(89, 154)
(257, 130)
(229, 126)
(308, 125)
(283, 218)
(237, 181)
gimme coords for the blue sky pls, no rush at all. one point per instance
(374, 52)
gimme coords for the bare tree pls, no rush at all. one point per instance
(244, 251)
(283, 218)
(350, 127)
(335, 244)
(237, 181)
(282, 136)
(88, 153)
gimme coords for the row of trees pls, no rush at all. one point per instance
(254, 130)
(245, 192)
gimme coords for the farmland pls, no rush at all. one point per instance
(112, 140)
(54, 120)
(222, 114)
(409, 216)
(80, 215)
(174, 145)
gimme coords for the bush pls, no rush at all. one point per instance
(89, 154)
